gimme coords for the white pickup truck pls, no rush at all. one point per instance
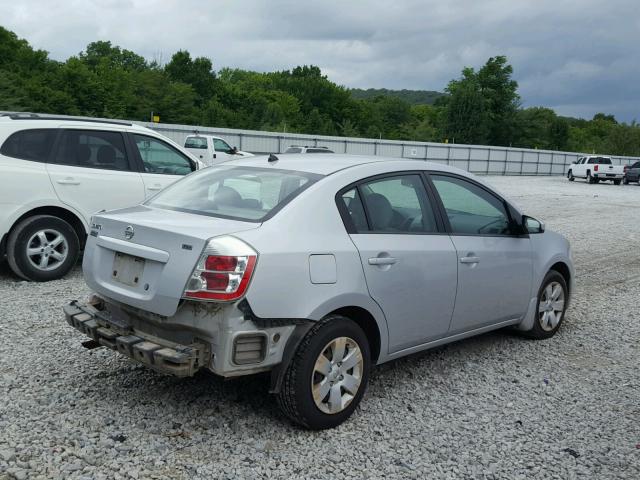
(212, 150)
(596, 168)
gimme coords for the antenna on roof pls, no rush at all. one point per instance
(272, 158)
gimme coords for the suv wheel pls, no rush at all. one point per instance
(552, 301)
(328, 374)
(42, 248)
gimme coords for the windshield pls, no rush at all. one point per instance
(241, 193)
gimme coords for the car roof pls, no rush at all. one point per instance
(332, 162)
(25, 120)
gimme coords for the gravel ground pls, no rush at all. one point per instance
(496, 406)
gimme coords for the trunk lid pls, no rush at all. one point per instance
(143, 256)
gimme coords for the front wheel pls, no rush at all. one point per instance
(328, 374)
(552, 301)
(42, 248)
(570, 176)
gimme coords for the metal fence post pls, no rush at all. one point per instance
(488, 159)
(448, 153)
(240, 141)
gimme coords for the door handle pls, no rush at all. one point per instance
(382, 261)
(469, 260)
(154, 187)
(68, 181)
(214, 155)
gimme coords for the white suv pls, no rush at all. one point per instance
(56, 172)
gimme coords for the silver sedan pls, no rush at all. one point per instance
(316, 269)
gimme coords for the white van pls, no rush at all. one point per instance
(212, 150)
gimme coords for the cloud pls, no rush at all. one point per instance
(577, 57)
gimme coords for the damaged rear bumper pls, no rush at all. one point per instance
(173, 359)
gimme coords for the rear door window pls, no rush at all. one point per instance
(92, 149)
(394, 204)
(34, 145)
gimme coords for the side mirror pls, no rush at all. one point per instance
(234, 150)
(532, 225)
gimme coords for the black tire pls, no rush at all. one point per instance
(590, 179)
(617, 182)
(537, 332)
(18, 243)
(296, 398)
(625, 181)
(570, 176)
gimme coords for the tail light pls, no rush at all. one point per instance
(223, 271)
(595, 167)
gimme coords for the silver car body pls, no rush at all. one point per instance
(439, 287)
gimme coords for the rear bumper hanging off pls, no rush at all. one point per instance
(178, 360)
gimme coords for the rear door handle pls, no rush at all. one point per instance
(469, 260)
(382, 261)
(68, 181)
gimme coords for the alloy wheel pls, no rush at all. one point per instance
(47, 249)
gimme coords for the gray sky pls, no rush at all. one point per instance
(578, 57)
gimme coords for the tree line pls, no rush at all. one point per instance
(480, 107)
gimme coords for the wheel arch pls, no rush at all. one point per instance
(64, 214)
(563, 269)
(367, 322)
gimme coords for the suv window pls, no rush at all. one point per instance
(221, 146)
(34, 145)
(397, 204)
(92, 149)
(471, 210)
(196, 142)
(159, 157)
(636, 165)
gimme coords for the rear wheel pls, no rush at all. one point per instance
(570, 176)
(552, 301)
(616, 182)
(42, 248)
(328, 374)
(590, 179)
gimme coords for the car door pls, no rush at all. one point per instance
(409, 263)
(578, 168)
(91, 170)
(495, 267)
(634, 172)
(162, 164)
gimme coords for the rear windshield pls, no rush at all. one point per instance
(196, 142)
(600, 160)
(240, 193)
(318, 150)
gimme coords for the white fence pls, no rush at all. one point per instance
(478, 159)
